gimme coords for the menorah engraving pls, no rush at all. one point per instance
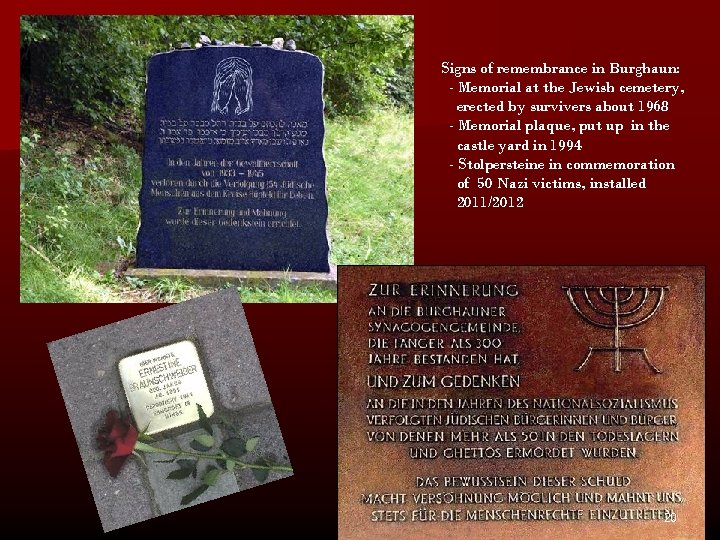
(618, 308)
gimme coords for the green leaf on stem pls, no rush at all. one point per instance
(251, 444)
(204, 422)
(194, 494)
(261, 474)
(144, 447)
(202, 443)
(189, 465)
(234, 447)
(211, 475)
(179, 474)
(140, 457)
(225, 421)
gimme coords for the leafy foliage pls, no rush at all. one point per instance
(96, 64)
(202, 443)
(194, 494)
(179, 474)
(261, 474)
(90, 63)
(227, 460)
(204, 422)
(234, 447)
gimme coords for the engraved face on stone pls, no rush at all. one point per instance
(164, 386)
(233, 84)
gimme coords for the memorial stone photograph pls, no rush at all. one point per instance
(189, 154)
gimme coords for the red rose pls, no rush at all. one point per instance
(117, 438)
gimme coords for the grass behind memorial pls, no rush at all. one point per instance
(79, 211)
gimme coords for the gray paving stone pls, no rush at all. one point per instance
(120, 501)
(86, 368)
(230, 356)
(263, 424)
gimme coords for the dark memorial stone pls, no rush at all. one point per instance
(233, 169)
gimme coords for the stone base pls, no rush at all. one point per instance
(218, 278)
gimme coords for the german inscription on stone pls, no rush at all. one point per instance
(233, 169)
(164, 386)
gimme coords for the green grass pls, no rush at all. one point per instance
(370, 189)
(79, 212)
(286, 293)
(42, 283)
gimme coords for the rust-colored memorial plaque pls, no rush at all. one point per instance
(521, 402)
